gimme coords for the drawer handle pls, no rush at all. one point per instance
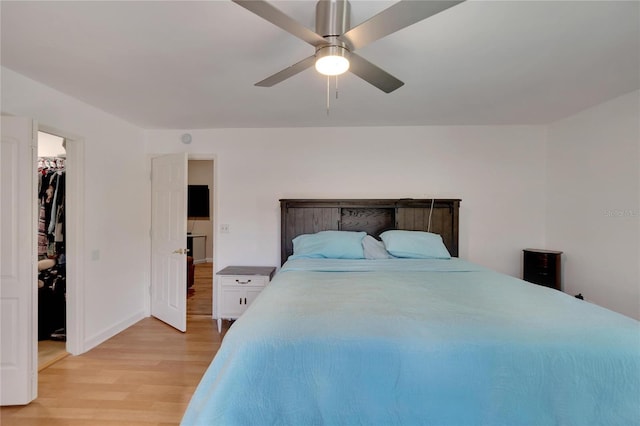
(243, 282)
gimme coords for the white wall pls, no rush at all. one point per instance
(498, 172)
(593, 206)
(116, 224)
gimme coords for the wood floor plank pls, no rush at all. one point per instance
(143, 376)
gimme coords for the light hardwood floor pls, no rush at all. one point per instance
(199, 297)
(50, 352)
(142, 376)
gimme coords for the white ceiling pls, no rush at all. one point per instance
(189, 65)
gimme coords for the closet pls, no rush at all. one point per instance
(51, 194)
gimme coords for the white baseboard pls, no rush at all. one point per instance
(105, 335)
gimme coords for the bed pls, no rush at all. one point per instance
(426, 340)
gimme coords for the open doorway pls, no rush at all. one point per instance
(73, 231)
(51, 231)
(200, 238)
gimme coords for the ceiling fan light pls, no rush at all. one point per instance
(332, 65)
(332, 60)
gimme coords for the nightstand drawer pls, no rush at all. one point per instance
(543, 278)
(244, 280)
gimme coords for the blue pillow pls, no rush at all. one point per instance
(329, 244)
(415, 245)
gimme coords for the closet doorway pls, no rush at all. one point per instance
(61, 273)
(200, 236)
(52, 285)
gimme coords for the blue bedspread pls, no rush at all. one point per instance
(436, 342)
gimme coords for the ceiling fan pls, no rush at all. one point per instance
(335, 41)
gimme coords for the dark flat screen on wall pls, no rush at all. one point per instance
(198, 202)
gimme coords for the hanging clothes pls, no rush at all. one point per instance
(51, 196)
(51, 232)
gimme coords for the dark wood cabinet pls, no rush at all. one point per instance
(542, 267)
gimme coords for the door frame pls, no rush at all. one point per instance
(74, 235)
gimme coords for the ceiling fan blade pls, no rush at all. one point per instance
(287, 72)
(277, 17)
(392, 19)
(372, 74)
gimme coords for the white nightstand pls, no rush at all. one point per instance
(238, 286)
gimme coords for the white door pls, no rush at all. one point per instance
(169, 239)
(18, 295)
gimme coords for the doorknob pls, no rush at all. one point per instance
(181, 251)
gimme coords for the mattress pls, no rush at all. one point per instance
(429, 342)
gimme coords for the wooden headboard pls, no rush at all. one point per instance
(371, 215)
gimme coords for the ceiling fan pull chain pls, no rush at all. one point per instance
(328, 91)
(336, 87)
